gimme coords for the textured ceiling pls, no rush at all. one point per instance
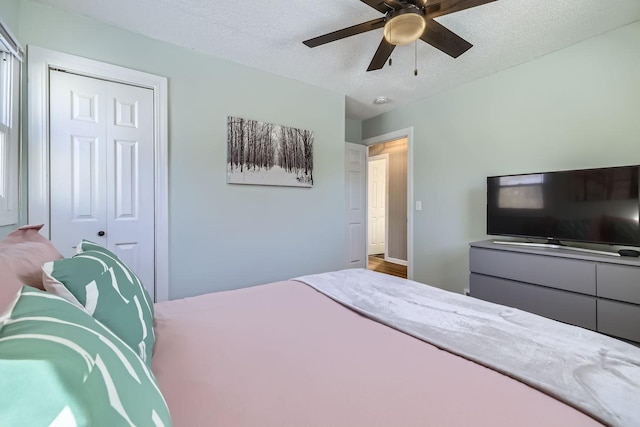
(268, 35)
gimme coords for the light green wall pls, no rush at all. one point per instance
(224, 236)
(575, 108)
(353, 131)
(9, 13)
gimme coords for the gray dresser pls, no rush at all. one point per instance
(597, 292)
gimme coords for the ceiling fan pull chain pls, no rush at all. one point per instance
(415, 70)
(390, 61)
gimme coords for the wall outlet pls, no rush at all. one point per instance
(466, 291)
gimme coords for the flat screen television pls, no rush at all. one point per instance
(588, 205)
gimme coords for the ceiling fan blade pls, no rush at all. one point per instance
(382, 54)
(377, 5)
(345, 32)
(444, 39)
(445, 7)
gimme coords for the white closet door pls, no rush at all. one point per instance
(356, 185)
(101, 153)
(130, 178)
(78, 152)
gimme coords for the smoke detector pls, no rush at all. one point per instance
(381, 100)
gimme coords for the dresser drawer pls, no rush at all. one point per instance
(619, 319)
(561, 273)
(567, 307)
(619, 282)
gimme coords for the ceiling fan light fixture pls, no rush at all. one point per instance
(405, 26)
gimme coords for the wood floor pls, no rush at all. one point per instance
(382, 266)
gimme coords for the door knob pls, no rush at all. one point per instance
(100, 233)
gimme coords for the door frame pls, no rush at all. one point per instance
(40, 61)
(385, 157)
(392, 136)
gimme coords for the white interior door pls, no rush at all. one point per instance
(377, 190)
(102, 169)
(355, 173)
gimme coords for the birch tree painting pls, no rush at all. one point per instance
(268, 154)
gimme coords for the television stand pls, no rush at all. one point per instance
(590, 290)
(554, 244)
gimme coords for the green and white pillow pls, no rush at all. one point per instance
(61, 367)
(97, 280)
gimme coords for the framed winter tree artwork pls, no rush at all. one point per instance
(268, 154)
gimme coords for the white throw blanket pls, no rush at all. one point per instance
(594, 373)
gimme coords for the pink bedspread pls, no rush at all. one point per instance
(283, 354)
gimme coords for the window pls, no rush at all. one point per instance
(10, 61)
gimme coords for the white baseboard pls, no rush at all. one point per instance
(396, 261)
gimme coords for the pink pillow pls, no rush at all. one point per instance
(9, 285)
(24, 251)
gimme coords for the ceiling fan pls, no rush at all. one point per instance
(406, 21)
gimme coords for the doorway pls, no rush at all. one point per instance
(387, 207)
(43, 195)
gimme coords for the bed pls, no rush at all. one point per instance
(319, 350)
